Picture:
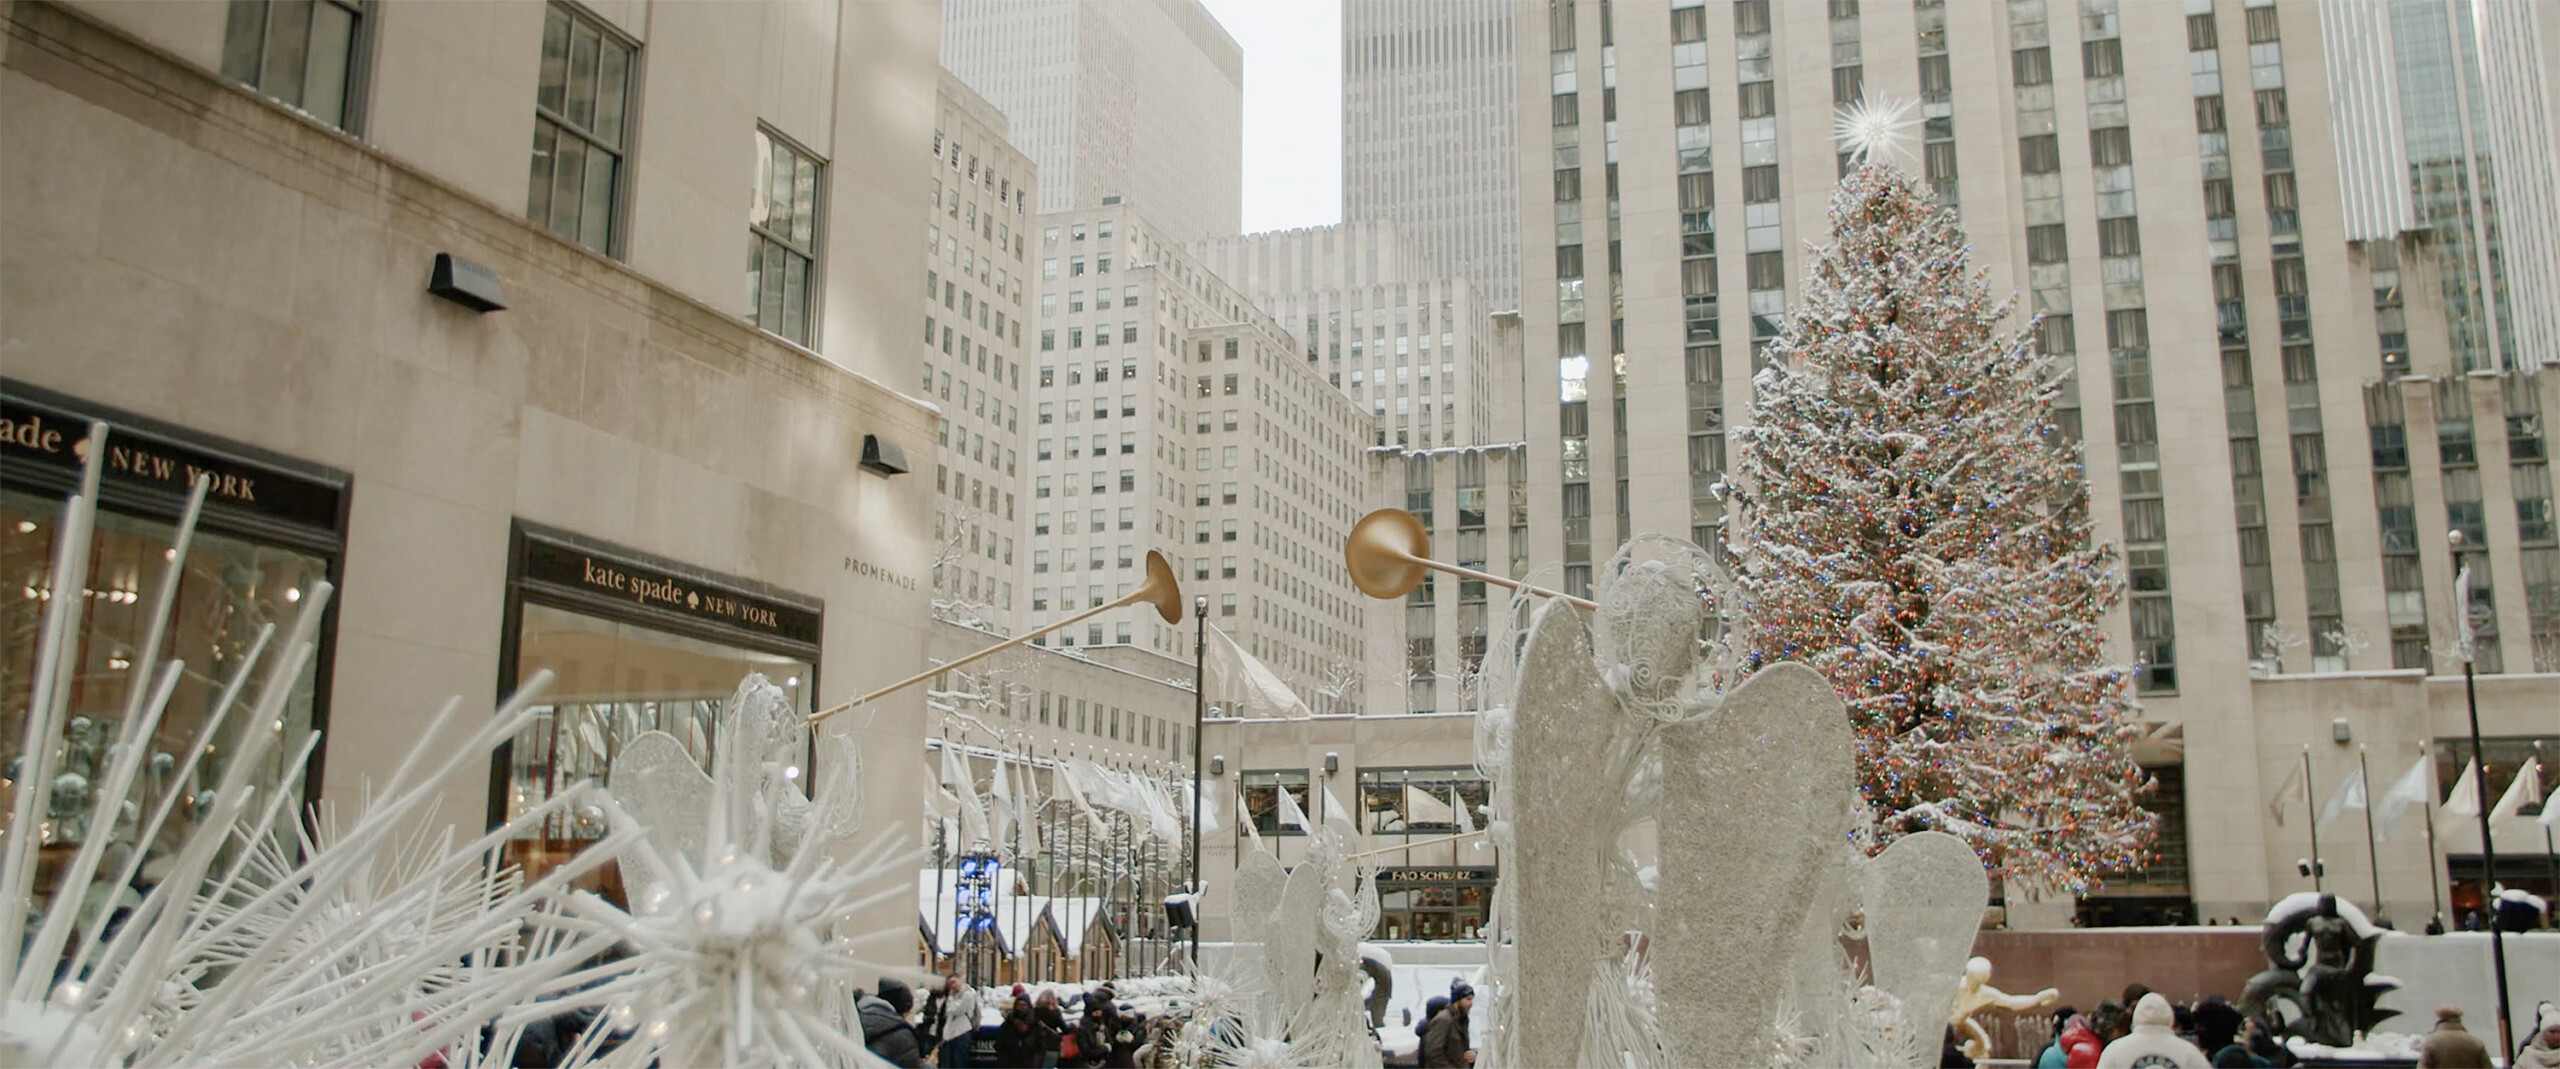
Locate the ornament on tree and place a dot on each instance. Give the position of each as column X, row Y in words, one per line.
column 1913, row 525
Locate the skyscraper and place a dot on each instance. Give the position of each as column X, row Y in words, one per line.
column 1167, row 412
column 976, row 296
column 2282, row 408
column 1135, row 98
column 1428, row 136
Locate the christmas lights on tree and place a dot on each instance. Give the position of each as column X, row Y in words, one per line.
column 1912, row 524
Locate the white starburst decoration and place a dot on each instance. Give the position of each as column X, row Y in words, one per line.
column 1875, row 129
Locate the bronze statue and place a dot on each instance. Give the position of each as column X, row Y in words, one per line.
column 2318, row 964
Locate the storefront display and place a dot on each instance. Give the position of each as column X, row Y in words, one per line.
column 1433, row 903
column 634, row 644
column 271, row 528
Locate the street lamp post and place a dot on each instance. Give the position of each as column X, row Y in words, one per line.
column 2480, row 788
column 1199, row 715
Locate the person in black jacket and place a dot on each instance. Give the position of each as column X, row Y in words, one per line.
column 885, row 1030
column 1018, row 1040
column 1053, row 1027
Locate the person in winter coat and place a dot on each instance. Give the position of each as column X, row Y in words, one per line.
column 955, row 1022
column 1951, row 1053
column 2543, row 1051
column 1444, row 1043
column 1128, row 1033
column 2077, row 1047
column 2452, row 1046
column 1018, row 1039
column 884, row 1024
column 1093, row 1031
column 2153, row 1041
column 1053, row 1027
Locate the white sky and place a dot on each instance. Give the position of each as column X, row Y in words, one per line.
column 1292, row 109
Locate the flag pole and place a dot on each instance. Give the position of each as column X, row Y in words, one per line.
column 2372, row 857
column 2480, row 789
column 2311, row 810
column 2435, row 874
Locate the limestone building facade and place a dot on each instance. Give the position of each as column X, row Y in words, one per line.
column 645, row 472
column 977, row 293
column 1168, row 413
column 2283, row 416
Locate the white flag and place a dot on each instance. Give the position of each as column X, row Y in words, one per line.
column 2463, row 803
column 1291, row 816
column 1028, row 797
column 1466, row 820
column 2285, row 791
column 1000, row 786
column 2349, row 795
column 1421, row 808
column 2526, row 789
column 1064, row 777
column 1333, row 810
column 2410, row 789
column 1238, row 672
column 955, row 776
column 1207, row 804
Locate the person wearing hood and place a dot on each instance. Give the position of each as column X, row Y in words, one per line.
column 2153, row 1040
column 884, row 1024
column 2543, row 1051
column 2452, row 1046
column 2076, row 1047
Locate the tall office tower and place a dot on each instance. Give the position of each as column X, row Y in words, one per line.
column 976, row 284
column 1136, row 98
column 1674, row 153
column 1167, row 413
column 1413, row 349
column 1428, row 137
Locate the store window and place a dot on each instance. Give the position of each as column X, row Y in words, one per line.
column 1419, row 801
column 271, row 528
column 634, row 644
column 2523, row 854
column 1262, row 799
column 1433, row 903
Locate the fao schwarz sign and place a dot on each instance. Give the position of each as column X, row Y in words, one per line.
column 47, row 437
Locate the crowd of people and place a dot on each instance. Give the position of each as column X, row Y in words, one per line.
column 2146, row 1029
column 1092, row 1030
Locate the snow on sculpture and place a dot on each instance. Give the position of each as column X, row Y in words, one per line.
column 264, row 937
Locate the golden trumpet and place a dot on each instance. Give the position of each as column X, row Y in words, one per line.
column 1160, row 589
column 1388, row 551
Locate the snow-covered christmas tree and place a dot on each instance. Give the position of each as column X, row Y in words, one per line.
column 1912, row 524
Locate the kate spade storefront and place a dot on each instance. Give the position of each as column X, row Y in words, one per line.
column 634, row 643
column 271, row 527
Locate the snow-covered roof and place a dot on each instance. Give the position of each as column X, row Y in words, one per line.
column 1073, row 915
column 1017, row 914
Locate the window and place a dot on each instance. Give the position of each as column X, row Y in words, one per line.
column 2047, row 244
column 1760, row 184
column 2039, row 154
column 2119, row 237
column 2031, row 66
column 782, row 240
column 2200, row 33
column 2102, row 58
column 581, row 104
column 2209, row 115
column 1262, row 798
column 1759, row 100
column 307, row 54
column 2110, row 147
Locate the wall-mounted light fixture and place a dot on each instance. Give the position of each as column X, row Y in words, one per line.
column 1332, row 763
column 465, row 283
column 883, row 456
column 1218, row 765
column 2341, row 732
